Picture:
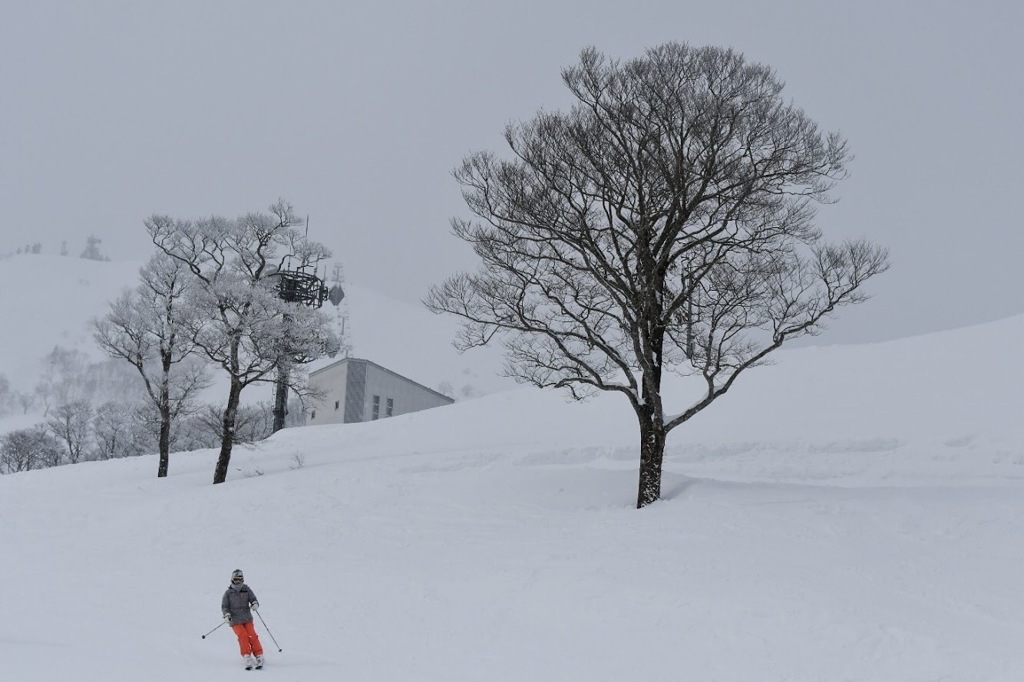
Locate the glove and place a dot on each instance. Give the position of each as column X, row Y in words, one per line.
column 255, row 606
column 227, row 618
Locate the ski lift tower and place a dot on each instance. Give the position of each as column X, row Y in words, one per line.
column 303, row 288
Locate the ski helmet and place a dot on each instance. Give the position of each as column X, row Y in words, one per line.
column 236, row 575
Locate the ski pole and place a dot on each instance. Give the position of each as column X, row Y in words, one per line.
column 217, row 628
column 268, row 631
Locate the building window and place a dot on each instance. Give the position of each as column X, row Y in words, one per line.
column 390, row 408
column 376, row 407
column 337, row 404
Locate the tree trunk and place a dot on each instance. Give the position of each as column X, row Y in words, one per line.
column 651, row 413
column 165, row 441
column 165, row 417
column 281, row 396
column 652, row 454
column 220, row 474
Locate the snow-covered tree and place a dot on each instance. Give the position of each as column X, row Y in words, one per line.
column 71, row 424
column 65, row 379
column 151, row 328
column 121, row 430
column 26, row 401
column 241, row 324
column 253, row 423
column 26, row 449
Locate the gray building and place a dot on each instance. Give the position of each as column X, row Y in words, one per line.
column 358, row 390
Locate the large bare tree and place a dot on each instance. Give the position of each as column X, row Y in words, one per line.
column 664, row 223
column 150, row 328
column 240, row 323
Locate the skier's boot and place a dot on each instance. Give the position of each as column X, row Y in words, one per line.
column 248, row 662
column 259, row 661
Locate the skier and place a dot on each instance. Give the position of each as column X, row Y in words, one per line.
column 237, row 606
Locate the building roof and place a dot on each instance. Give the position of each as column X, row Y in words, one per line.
column 383, row 369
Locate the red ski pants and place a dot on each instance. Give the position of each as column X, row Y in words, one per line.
column 248, row 640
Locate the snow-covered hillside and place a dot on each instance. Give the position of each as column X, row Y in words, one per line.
column 850, row 513
column 48, row 301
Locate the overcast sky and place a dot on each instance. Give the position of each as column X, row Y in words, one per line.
column 112, row 111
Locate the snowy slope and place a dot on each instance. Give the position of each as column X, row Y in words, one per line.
column 851, row 513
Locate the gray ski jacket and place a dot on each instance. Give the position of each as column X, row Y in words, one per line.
column 236, row 604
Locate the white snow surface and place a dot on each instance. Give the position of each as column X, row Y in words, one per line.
column 849, row 513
